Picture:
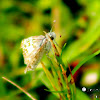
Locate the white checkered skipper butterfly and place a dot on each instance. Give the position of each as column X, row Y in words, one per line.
column 34, row 47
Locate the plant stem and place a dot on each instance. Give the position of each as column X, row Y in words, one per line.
column 29, row 95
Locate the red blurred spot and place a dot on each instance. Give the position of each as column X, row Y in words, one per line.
column 77, row 73
column 85, row 18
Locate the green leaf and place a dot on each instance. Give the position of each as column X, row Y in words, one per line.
column 82, row 62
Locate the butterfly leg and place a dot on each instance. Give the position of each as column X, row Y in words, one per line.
column 28, row 68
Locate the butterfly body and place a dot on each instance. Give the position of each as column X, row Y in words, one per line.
column 33, row 49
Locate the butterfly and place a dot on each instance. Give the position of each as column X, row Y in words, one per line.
column 34, row 48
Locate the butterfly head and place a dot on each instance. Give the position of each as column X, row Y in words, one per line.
column 52, row 35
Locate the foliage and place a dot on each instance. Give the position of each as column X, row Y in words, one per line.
column 77, row 29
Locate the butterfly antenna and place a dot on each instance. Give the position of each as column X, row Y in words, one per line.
column 52, row 25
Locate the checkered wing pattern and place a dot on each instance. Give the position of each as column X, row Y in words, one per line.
column 32, row 49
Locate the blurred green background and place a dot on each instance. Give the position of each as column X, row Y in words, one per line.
column 77, row 24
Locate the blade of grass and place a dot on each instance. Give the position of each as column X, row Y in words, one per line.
column 62, row 79
column 67, row 84
column 58, row 60
column 55, row 74
column 29, row 95
column 48, row 74
column 73, row 87
column 55, row 91
column 82, row 62
column 47, row 83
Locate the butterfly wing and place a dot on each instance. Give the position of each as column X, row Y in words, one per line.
column 31, row 46
column 38, row 55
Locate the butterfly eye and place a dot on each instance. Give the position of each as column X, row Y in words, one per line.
column 52, row 37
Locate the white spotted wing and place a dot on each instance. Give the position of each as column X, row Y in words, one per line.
column 33, row 50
